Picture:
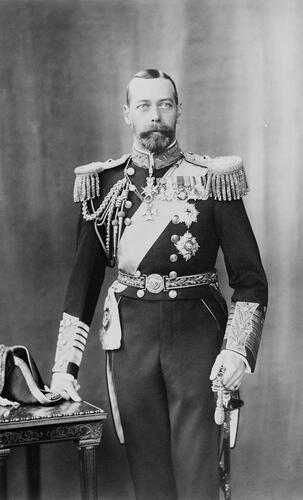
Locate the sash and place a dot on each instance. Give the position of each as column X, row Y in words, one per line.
column 140, row 236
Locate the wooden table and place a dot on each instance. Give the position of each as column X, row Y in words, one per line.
column 31, row 426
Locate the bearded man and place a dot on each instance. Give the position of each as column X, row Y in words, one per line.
column 162, row 214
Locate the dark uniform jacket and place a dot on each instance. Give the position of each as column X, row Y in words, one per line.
column 200, row 209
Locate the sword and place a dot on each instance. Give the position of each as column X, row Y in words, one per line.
column 227, row 412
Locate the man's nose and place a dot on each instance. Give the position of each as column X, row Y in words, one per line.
column 155, row 114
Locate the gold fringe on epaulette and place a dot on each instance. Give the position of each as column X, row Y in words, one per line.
column 86, row 187
column 227, row 186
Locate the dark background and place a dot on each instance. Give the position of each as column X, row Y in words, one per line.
column 238, row 65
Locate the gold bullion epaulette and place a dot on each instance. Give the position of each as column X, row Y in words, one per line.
column 87, row 182
column 226, row 177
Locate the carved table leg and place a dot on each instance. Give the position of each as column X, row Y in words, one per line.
column 88, row 479
column 4, row 452
column 33, row 471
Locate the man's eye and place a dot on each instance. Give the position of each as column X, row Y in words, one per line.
column 143, row 105
column 166, row 105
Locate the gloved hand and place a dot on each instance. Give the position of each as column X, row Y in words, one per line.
column 66, row 385
column 7, row 402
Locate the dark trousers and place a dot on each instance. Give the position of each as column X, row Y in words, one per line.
column 165, row 399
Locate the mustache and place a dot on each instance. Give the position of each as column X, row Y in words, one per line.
column 163, row 129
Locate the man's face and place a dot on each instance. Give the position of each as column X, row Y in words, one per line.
column 152, row 113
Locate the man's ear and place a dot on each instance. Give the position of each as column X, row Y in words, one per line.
column 179, row 111
column 126, row 115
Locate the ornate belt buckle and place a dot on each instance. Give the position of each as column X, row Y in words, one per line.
column 154, row 283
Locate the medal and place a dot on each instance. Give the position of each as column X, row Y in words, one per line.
column 149, row 192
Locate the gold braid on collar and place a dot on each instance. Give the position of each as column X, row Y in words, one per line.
column 168, row 157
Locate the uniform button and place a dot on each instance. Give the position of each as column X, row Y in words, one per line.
column 132, row 187
column 175, row 219
column 130, row 171
column 173, row 275
column 128, row 204
column 138, row 273
column 172, row 294
column 174, row 238
column 173, row 257
column 140, row 294
column 127, row 221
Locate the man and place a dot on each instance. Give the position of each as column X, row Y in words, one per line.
column 162, row 214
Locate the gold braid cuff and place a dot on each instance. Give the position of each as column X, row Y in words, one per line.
column 71, row 344
column 244, row 329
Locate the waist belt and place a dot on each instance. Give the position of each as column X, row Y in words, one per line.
column 155, row 283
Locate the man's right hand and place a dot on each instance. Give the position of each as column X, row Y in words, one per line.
column 66, row 385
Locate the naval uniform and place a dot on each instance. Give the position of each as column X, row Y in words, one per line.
column 162, row 218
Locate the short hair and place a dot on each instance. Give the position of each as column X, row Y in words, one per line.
column 152, row 73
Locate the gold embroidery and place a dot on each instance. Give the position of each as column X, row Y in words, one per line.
column 244, row 328
column 143, row 159
column 71, row 342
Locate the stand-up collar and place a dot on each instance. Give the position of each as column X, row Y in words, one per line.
column 146, row 160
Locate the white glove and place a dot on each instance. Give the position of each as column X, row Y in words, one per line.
column 7, row 402
column 66, row 385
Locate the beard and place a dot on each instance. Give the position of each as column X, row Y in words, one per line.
column 157, row 138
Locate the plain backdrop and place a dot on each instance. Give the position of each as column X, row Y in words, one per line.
column 64, row 66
